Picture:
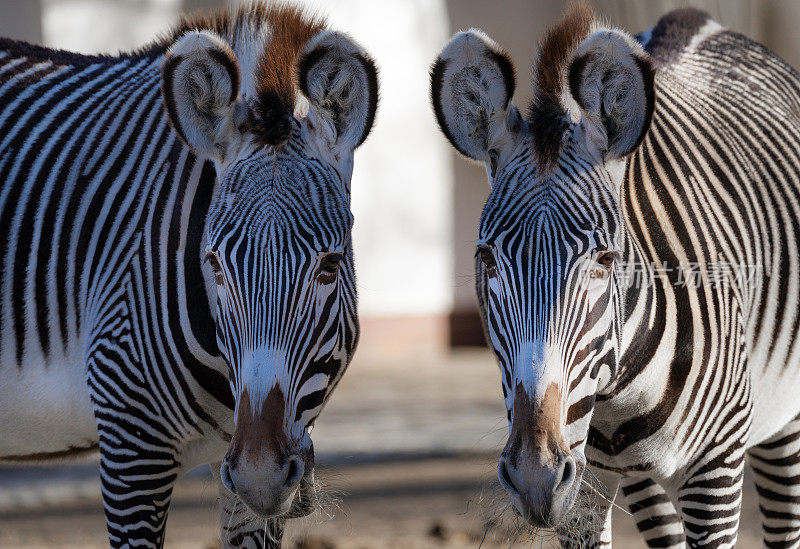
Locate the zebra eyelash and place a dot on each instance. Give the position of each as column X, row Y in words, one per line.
column 329, row 264
column 607, row 258
column 212, row 259
column 486, row 254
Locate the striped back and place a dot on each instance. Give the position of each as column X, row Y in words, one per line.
column 75, row 182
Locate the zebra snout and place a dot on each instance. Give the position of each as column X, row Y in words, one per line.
column 541, row 492
column 267, row 487
column 537, row 468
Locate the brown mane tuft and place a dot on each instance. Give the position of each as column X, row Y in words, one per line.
column 546, row 113
column 277, row 79
column 290, row 28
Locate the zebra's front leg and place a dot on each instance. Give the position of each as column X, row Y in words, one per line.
column 239, row 527
column 589, row 526
column 776, row 470
column 710, row 501
column 137, row 475
column 653, row 512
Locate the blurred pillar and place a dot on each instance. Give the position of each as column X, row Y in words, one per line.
column 778, row 28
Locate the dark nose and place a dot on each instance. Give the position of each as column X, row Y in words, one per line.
column 268, row 488
column 541, row 492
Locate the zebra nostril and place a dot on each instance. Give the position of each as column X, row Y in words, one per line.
column 505, row 477
column 225, row 476
column 294, row 472
column 566, row 474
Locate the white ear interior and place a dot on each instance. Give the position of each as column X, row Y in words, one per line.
column 340, row 81
column 200, row 82
column 472, row 82
column 611, row 79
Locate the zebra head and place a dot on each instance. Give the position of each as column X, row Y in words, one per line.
column 277, row 258
column 551, row 235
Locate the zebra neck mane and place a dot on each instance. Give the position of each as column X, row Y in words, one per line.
column 548, row 108
column 35, row 52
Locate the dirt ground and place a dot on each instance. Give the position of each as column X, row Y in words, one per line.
column 426, row 503
column 409, row 446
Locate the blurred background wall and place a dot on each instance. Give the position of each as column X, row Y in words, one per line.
column 416, row 205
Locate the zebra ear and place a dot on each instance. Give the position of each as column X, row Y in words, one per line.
column 472, row 82
column 200, row 82
column 612, row 81
column 340, row 81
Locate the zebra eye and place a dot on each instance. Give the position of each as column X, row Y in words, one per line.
column 606, row 258
column 329, row 267
column 215, row 266
column 487, row 258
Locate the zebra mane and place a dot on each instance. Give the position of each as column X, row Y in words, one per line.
column 547, row 113
column 280, row 32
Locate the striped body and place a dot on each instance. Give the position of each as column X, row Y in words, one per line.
column 97, row 191
column 714, row 188
column 176, row 271
column 715, row 183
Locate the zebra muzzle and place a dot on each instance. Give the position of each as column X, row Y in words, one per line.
column 271, row 473
column 542, row 494
column 270, row 489
column 537, row 469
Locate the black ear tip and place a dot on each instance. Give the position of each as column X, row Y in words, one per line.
column 648, row 71
column 507, row 70
column 574, row 78
column 371, row 70
column 231, row 65
column 167, row 92
column 338, row 54
column 437, row 83
column 437, row 76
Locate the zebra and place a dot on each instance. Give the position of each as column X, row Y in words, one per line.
column 637, row 272
column 176, row 269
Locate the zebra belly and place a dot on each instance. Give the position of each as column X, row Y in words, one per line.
column 775, row 402
column 45, row 411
